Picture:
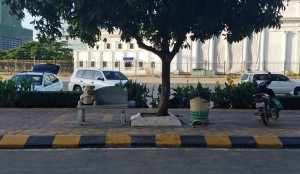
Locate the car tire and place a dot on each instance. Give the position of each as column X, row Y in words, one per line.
column 297, row 91
column 77, row 88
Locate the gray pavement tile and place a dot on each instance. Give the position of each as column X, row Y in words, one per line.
column 56, row 121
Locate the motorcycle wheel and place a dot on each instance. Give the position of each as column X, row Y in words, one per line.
column 265, row 119
column 276, row 112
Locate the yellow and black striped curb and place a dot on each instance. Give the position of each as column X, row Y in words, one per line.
column 160, row 140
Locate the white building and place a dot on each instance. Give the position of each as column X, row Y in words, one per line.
column 271, row 50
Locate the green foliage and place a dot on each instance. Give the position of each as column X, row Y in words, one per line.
column 8, row 92
column 25, row 85
column 3, row 54
column 155, row 100
column 47, row 99
column 137, row 92
column 289, row 102
column 40, row 51
column 242, row 95
column 220, row 97
column 181, row 95
column 238, row 96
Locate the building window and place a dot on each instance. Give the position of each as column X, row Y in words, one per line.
column 116, row 64
column 152, row 64
column 128, row 64
column 93, row 64
column 131, row 46
column 104, row 64
column 140, row 64
column 108, row 46
column 119, row 46
column 80, row 63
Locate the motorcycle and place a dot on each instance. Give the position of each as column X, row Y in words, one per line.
column 266, row 103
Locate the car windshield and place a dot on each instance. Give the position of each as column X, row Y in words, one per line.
column 35, row 79
column 114, row 75
column 245, row 77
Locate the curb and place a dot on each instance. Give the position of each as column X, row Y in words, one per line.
column 159, row 140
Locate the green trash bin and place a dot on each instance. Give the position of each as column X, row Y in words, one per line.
column 199, row 107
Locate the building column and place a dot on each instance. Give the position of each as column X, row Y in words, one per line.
column 179, row 61
column 88, row 63
column 227, row 57
column 100, row 59
column 113, row 55
column 246, row 53
column 211, row 56
column 262, row 50
column 76, row 59
column 197, row 55
column 297, row 67
column 284, row 50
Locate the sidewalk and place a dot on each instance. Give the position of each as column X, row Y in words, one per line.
column 57, row 128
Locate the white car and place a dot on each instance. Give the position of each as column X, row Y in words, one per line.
column 280, row 83
column 43, row 76
column 95, row 77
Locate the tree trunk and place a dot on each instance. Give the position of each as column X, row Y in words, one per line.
column 165, row 92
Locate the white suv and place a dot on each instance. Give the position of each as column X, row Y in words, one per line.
column 95, row 77
column 280, row 83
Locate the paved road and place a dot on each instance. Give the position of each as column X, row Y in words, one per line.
column 153, row 160
column 151, row 80
column 175, row 81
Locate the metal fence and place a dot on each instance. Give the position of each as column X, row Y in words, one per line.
column 13, row 66
column 154, row 68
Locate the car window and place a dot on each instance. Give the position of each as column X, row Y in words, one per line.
column 260, row 76
column 79, row 73
column 53, row 79
column 245, row 76
column 98, row 75
column 114, row 75
column 47, row 78
column 279, row 77
column 35, row 79
column 88, row 74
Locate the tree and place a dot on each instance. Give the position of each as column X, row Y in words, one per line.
column 3, row 54
column 41, row 50
column 159, row 26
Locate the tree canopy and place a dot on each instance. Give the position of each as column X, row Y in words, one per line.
column 38, row 50
column 159, row 26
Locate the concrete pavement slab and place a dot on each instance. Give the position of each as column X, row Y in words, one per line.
column 57, row 128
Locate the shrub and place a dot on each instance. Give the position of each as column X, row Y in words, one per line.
column 181, row 95
column 137, row 92
column 155, row 100
column 47, row 99
column 9, row 91
column 238, row 96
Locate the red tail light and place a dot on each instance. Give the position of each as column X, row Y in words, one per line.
column 258, row 98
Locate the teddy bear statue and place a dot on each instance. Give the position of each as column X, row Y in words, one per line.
column 88, row 96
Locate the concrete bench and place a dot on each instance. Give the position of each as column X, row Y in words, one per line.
column 110, row 97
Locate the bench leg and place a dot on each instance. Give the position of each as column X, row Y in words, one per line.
column 80, row 116
column 123, row 117
column 83, row 115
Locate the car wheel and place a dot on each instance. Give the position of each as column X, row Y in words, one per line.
column 297, row 91
column 77, row 88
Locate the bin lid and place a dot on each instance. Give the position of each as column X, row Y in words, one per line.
column 203, row 94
